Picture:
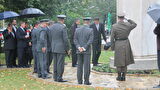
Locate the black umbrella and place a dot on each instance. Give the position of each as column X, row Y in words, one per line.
column 31, row 12
column 8, row 14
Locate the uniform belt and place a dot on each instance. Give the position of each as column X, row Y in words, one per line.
column 121, row 39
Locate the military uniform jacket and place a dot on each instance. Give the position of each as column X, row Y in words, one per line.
column 59, row 38
column 84, row 38
column 41, row 36
column 120, row 42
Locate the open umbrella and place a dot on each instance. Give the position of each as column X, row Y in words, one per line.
column 154, row 12
column 8, row 14
column 31, row 12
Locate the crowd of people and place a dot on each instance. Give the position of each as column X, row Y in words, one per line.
column 48, row 40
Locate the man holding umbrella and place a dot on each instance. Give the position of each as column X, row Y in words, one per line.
column 59, row 45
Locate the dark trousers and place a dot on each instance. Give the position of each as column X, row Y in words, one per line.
column 41, row 64
column 35, row 57
column 158, row 59
column 29, row 55
column 49, row 60
column 74, row 55
column 22, row 61
column 14, row 58
column 96, row 48
column 10, row 57
column 58, row 65
column 83, row 66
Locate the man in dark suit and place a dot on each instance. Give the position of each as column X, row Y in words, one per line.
column 59, row 45
column 83, row 40
column 9, row 46
column 73, row 29
column 98, row 30
column 14, row 27
column 22, row 45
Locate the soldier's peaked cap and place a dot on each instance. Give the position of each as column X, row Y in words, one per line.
column 61, row 16
column 87, row 18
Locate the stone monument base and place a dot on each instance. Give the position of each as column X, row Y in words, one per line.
column 141, row 63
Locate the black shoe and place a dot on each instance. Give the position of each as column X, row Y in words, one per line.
column 62, row 80
column 80, row 83
column 46, row 77
column 88, row 83
column 119, row 78
column 74, row 65
column 39, row 76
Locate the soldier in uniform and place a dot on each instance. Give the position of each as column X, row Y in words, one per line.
column 41, row 48
column 121, row 45
column 34, row 44
column 60, row 46
column 83, row 40
column 49, row 53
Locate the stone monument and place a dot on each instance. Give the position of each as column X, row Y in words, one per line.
column 142, row 38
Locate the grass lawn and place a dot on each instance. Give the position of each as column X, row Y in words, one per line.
column 17, row 79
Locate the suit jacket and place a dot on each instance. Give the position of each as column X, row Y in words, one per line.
column 120, row 42
column 157, row 32
column 9, row 40
column 73, row 29
column 41, row 36
column 59, row 38
column 84, row 38
column 97, row 33
column 21, row 40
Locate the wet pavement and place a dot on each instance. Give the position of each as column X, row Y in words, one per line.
column 106, row 80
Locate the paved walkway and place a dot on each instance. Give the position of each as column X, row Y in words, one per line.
column 106, row 80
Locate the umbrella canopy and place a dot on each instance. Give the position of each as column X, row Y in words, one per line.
column 31, row 12
column 8, row 14
column 154, row 12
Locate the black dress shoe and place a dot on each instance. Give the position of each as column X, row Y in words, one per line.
column 39, row 76
column 119, row 78
column 62, row 80
column 46, row 77
column 88, row 83
column 74, row 65
column 79, row 82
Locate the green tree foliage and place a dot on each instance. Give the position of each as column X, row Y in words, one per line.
column 72, row 8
